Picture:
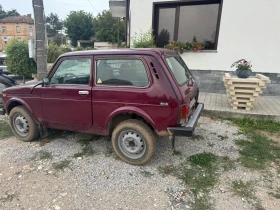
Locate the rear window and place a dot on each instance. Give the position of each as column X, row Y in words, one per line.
column 179, row 69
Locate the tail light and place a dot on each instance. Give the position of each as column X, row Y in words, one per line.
column 184, row 113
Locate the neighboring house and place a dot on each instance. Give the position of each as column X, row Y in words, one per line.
column 233, row 29
column 19, row 27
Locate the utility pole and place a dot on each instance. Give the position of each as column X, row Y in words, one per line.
column 40, row 34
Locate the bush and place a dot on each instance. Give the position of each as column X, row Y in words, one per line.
column 18, row 61
column 54, row 51
column 144, row 40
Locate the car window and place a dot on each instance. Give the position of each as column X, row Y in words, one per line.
column 179, row 69
column 73, row 71
column 123, row 72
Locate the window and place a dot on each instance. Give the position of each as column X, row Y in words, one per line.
column 4, row 29
column 123, row 72
column 5, row 40
column 188, row 20
column 179, row 69
column 73, row 71
column 18, row 29
column 30, row 31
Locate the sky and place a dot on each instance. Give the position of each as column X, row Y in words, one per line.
column 60, row 7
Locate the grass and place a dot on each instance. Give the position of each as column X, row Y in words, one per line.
column 243, row 189
column 258, row 151
column 86, row 147
column 197, row 137
column 43, row 155
column 222, row 137
column 5, row 130
column 199, row 173
column 61, row 165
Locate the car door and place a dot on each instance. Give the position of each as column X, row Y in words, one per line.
column 67, row 99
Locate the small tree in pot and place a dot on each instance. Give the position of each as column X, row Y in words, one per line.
column 243, row 68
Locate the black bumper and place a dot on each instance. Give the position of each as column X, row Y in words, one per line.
column 2, row 111
column 188, row 130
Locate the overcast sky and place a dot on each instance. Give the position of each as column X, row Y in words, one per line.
column 61, row 7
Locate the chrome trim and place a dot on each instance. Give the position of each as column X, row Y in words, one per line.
column 83, row 92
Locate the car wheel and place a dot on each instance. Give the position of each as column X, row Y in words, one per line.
column 134, row 142
column 23, row 125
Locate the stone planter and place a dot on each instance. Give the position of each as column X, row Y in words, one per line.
column 243, row 73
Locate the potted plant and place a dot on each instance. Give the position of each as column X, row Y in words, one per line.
column 243, row 68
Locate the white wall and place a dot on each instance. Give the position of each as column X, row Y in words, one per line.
column 249, row 29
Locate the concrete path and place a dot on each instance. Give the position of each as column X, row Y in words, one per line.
column 267, row 107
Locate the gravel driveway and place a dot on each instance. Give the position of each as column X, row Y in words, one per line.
column 48, row 174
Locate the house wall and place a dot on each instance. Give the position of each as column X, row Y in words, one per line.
column 12, row 33
column 249, row 29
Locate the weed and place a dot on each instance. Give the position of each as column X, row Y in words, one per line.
column 61, row 165
column 86, row 147
column 42, row 155
column 222, row 137
column 258, row 152
column 243, row 189
column 5, row 130
column 178, row 153
column 167, row 170
column 197, row 137
column 248, row 125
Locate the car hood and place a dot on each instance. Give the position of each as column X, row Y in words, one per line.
column 24, row 88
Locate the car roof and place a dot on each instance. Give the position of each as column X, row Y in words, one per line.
column 131, row 51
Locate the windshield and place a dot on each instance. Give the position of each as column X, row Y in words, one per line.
column 179, row 69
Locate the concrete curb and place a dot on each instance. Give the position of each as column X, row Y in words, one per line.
column 216, row 113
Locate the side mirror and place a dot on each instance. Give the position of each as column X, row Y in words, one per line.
column 46, row 82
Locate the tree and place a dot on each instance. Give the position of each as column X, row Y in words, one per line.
column 53, row 24
column 59, row 39
column 18, row 61
column 8, row 13
column 79, row 26
column 106, row 27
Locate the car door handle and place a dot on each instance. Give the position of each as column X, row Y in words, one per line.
column 83, row 93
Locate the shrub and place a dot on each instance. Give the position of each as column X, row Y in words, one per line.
column 144, row 40
column 54, row 51
column 18, row 61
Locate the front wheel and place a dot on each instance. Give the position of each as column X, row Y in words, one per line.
column 23, row 125
column 134, row 142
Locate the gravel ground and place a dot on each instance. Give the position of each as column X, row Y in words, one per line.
column 102, row 181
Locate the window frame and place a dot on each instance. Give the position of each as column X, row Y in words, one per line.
column 18, row 29
column 177, row 5
column 57, row 64
column 3, row 29
column 121, row 58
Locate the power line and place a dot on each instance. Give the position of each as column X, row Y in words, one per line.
column 102, row 5
column 106, row 3
column 93, row 6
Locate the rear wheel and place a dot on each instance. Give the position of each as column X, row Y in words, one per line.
column 23, row 125
column 134, row 142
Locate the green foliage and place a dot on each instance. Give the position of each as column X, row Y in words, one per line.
column 79, row 26
column 242, row 65
column 243, row 189
column 190, row 46
column 54, row 51
column 5, row 130
column 59, row 39
column 247, row 124
column 144, row 40
column 53, row 24
column 8, row 13
column 107, row 26
column 61, row 165
column 18, row 61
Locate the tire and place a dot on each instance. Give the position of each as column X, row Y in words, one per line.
column 23, row 125
column 134, row 142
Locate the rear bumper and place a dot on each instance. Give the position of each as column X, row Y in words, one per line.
column 2, row 111
column 188, row 130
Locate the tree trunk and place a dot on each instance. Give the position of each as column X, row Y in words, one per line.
column 23, row 79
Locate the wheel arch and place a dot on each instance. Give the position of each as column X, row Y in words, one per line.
column 125, row 113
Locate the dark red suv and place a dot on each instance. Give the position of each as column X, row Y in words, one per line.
column 134, row 95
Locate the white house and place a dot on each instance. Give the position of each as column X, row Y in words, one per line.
column 233, row 29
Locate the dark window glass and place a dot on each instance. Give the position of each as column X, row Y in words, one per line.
column 124, row 72
column 73, row 71
column 179, row 69
column 199, row 21
column 194, row 22
column 165, row 26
